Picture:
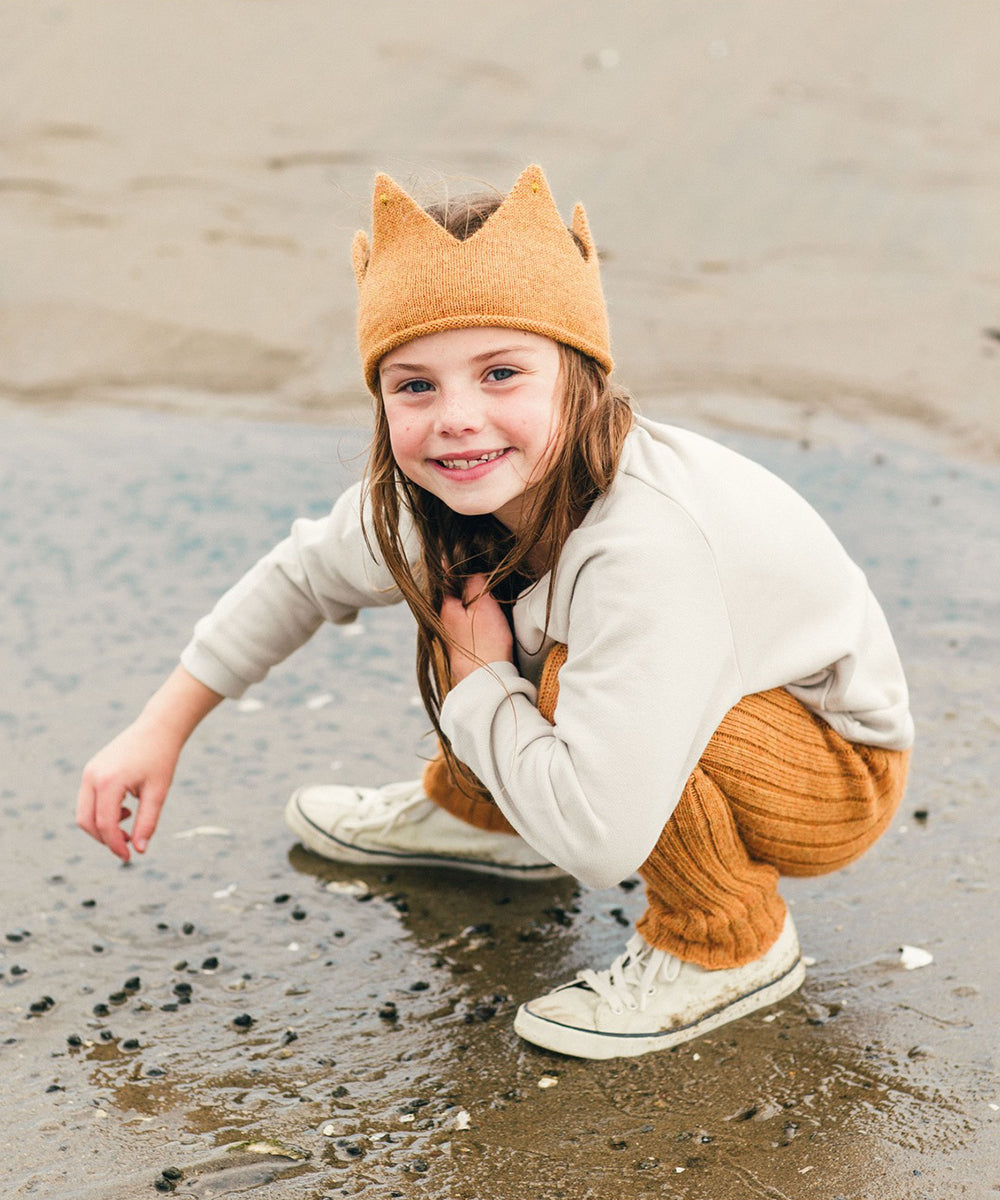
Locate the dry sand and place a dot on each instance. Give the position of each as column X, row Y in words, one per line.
column 797, row 207
column 794, row 200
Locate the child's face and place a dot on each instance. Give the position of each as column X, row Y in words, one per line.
column 472, row 415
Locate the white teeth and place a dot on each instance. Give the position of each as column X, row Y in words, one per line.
column 463, row 464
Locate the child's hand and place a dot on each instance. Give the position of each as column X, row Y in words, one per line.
column 138, row 764
column 477, row 628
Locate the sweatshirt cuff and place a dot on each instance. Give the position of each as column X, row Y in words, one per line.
column 207, row 669
column 479, row 695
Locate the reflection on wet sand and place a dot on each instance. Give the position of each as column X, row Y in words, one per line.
column 390, row 1018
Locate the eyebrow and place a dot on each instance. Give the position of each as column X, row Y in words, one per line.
column 477, row 358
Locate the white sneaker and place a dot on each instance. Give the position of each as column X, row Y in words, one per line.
column 649, row 1000
column 398, row 824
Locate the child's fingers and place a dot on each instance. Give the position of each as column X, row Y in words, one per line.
column 474, row 589
column 147, row 815
column 99, row 807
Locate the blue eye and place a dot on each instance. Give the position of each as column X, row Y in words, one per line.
column 416, row 387
column 499, row 374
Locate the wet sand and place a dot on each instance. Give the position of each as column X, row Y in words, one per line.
column 796, row 206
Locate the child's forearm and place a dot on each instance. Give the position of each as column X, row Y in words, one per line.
column 179, row 706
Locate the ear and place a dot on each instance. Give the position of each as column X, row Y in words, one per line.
column 359, row 255
column 582, row 230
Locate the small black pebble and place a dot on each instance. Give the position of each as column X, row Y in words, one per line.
column 210, row 964
column 43, row 1005
column 88, row 903
column 288, row 1037
column 16, row 970
column 182, row 989
column 14, row 937
column 118, row 997
column 155, row 1072
column 388, row 1012
column 133, row 984
column 101, row 1010
column 283, row 898
column 353, row 1151
column 174, row 1173
column 420, row 986
column 920, row 814
column 74, row 1039
column 243, row 1021
column 164, row 1185
column 339, row 1091
column 54, row 1087
column 131, row 1044
column 168, row 1008
column 187, row 927
column 298, row 914
column 162, row 926
column 97, row 948
column 107, row 1035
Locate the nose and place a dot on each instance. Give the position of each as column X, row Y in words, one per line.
column 459, row 412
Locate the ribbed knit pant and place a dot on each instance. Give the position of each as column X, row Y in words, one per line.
column 776, row 792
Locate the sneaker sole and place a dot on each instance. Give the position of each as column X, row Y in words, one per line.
column 326, row 845
column 585, row 1043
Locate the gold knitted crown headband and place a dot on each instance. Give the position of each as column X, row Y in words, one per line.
column 522, row 269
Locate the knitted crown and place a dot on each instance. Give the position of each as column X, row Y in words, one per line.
column 522, row 269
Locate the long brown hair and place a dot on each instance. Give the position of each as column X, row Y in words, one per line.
column 595, row 416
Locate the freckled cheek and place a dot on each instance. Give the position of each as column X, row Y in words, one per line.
column 405, row 441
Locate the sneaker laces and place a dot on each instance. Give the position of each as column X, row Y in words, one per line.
column 384, row 808
column 631, row 979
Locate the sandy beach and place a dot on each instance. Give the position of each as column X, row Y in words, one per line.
column 796, row 206
column 793, row 201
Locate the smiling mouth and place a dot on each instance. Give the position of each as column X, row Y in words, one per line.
column 465, row 464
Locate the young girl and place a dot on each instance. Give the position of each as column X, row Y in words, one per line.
column 640, row 650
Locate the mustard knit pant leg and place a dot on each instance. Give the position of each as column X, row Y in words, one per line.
column 776, row 792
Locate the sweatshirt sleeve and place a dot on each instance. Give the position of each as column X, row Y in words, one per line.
column 650, row 672
column 323, row 571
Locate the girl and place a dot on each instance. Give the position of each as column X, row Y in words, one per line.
column 640, row 650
